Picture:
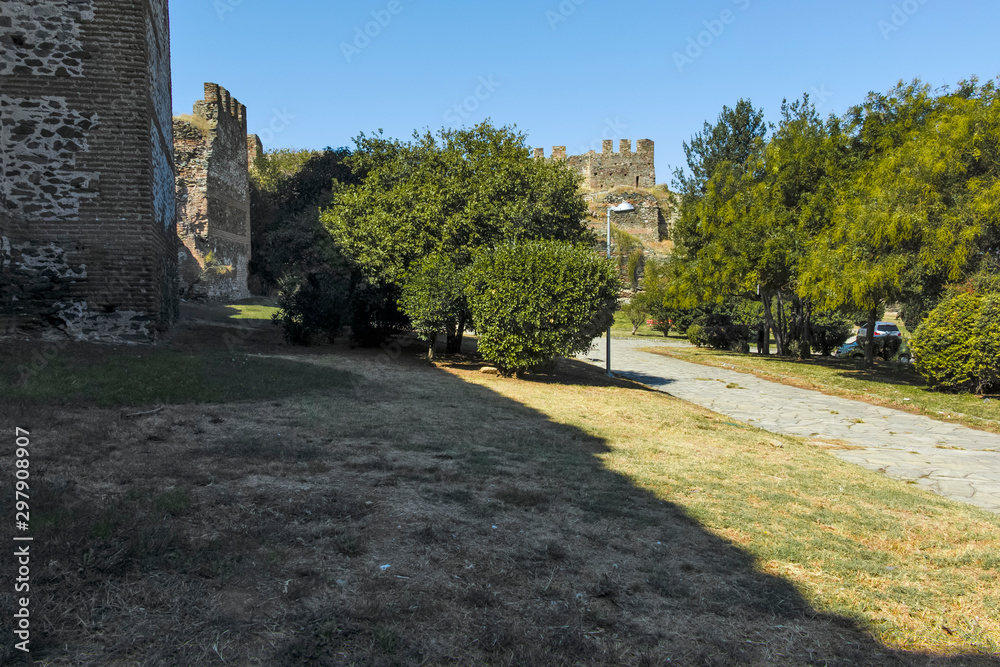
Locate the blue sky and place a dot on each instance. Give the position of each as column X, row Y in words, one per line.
column 315, row 73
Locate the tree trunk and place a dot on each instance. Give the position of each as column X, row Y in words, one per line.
column 806, row 326
column 765, row 300
column 430, row 348
column 781, row 328
column 455, row 335
column 870, row 341
column 635, row 327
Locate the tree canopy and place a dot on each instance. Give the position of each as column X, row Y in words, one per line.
column 445, row 195
column 450, row 193
column 890, row 203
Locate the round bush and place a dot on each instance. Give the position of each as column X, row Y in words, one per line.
column 987, row 355
column 946, row 345
column 538, row 300
column 696, row 334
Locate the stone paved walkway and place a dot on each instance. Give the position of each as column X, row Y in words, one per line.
column 954, row 461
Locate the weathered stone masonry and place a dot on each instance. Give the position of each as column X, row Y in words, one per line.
column 607, row 170
column 213, row 196
column 87, row 208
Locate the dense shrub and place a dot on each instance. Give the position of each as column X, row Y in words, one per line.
column 287, row 188
column 696, row 334
column 534, row 301
column 886, row 347
column 433, row 297
column 828, row 336
column 950, row 348
column 987, row 358
column 717, row 330
column 320, row 300
column 313, row 303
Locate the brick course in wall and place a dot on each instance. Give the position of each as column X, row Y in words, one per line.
column 607, row 169
column 211, row 150
column 87, row 207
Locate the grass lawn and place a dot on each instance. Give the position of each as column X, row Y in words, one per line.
column 622, row 328
column 373, row 509
column 889, row 384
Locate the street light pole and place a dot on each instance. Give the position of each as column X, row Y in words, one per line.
column 621, row 208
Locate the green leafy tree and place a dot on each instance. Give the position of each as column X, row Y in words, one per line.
column 533, row 301
column 754, row 221
column 717, row 159
column 726, row 146
column 630, row 255
column 287, row 189
column 449, row 193
column 655, row 298
column 635, row 311
column 433, row 297
column 922, row 205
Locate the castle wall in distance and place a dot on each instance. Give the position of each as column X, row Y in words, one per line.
column 607, row 169
column 211, row 150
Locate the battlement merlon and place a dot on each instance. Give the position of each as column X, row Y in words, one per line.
column 218, row 102
column 255, row 149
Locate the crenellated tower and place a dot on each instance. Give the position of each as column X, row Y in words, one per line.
column 607, row 169
column 212, row 152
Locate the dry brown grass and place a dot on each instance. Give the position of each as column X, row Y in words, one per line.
column 558, row 520
column 199, row 122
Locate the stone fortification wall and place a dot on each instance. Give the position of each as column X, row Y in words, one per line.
column 646, row 222
column 87, row 207
column 607, row 169
column 213, row 196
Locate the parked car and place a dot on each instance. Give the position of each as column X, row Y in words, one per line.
column 854, row 348
column 881, row 329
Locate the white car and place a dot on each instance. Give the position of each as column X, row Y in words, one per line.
column 881, row 329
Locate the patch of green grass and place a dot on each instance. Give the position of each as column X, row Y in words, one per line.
column 109, row 377
column 622, row 328
column 890, row 384
column 251, row 312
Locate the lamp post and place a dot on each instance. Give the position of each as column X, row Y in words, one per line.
column 621, row 208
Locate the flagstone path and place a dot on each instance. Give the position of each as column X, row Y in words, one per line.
column 952, row 460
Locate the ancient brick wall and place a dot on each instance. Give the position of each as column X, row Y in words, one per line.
column 607, row 169
column 213, row 196
column 646, row 222
column 87, row 207
column 255, row 149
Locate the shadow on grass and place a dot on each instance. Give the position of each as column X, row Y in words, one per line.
column 87, row 374
column 525, row 550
